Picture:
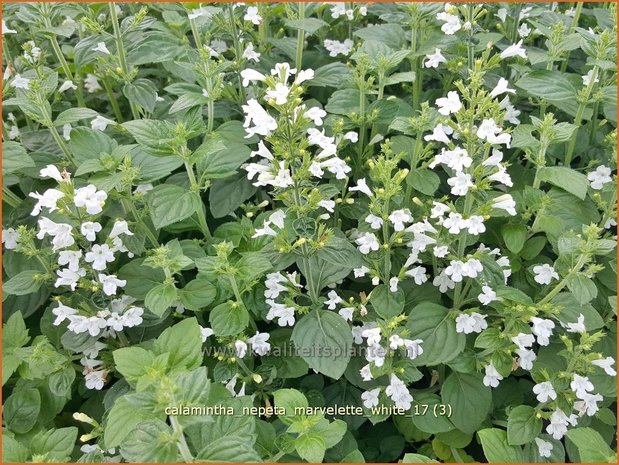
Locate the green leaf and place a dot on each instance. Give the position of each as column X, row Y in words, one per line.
column 310, row 447
column 324, row 340
column 228, row 319
column 13, row 451
column 142, row 92
column 386, row 303
column 55, row 445
column 170, row 204
column 423, row 180
column 417, row 458
column 160, row 298
column 432, row 324
column 197, row 294
column 22, row 283
column 153, row 441
column 514, row 236
column 343, row 102
column 156, row 136
column 331, row 75
column 427, row 419
column 21, row 410
column 140, row 278
column 566, row 178
column 391, row 35
column 216, row 161
column 309, row 25
column 495, row 446
column 320, row 273
column 340, row 251
column 570, row 309
column 290, row 400
column 229, row 449
column 14, row 158
column 132, row 362
column 183, row 342
column 523, row 426
column 14, row 332
column 582, row 287
column 60, row 382
column 226, row 195
column 125, row 415
column 73, row 115
column 592, row 448
column 549, row 85
column 470, row 399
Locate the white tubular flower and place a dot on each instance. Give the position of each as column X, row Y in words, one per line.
column 434, row 59
column 259, row 343
column 492, row 376
column 544, row 274
column 367, row 242
column 101, row 47
column 487, row 295
column 251, row 75
column 542, row 328
column 335, row 47
column 544, row 448
column 370, row 398
column 111, row 283
column 66, row 86
column 449, row 104
column 20, row 82
column 9, row 238
column 501, row 88
column 252, row 15
column 48, row 200
column 250, row 54
column 599, row 177
column 361, row 187
column 263, row 123
column 440, row 134
column 514, row 50
column 399, row 218
column 505, row 202
column 398, row 393
column 50, row 171
column 90, row 198
column 544, row 391
column 471, row 323
column 606, row 364
column 460, row 183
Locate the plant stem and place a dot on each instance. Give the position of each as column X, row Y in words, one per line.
column 113, row 101
column 120, row 48
column 570, row 31
column 183, row 448
column 196, row 34
column 62, row 145
column 237, row 49
column 128, row 206
column 10, row 197
column 196, row 188
column 468, row 205
column 300, row 39
column 579, row 115
column 559, row 287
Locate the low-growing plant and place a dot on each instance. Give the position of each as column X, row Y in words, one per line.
column 305, row 231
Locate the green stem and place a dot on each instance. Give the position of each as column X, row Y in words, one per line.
column 196, row 188
column 571, row 31
column 559, row 287
column 62, row 145
column 183, row 448
column 113, row 101
column 128, row 206
column 274, row 458
column 579, row 115
column 300, row 39
column 196, row 34
column 237, row 49
column 468, row 205
column 10, row 197
column 120, row 48
column 387, row 257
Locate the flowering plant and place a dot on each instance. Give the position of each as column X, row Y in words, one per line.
column 321, row 232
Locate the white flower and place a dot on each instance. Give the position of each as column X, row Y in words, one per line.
column 443, row 282
column 132, row 317
column 101, row 47
column 252, row 15
column 586, row 79
column 524, row 30
column 316, row 114
column 205, row 333
column 111, row 283
column 456, row 159
column 489, row 131
column 460, row 183
column 66, row 86
column 89, row 230
column 471, row 323
column 606, row 364
column 501, row 14
column 440, row 134
column 251, row 75
column 413, row 348
column 264, row 124
column 501, row 88
column 10, row 238
column 599, row 177
column 304, row 75
column 542, row 328
column 335, row 47
column 62, row 313
column 514, row 50
column 250, row 54
column 455, row 223
column 360, row 272
column 435, row 59
column 581, row 385
column 328, row 205
column 62, row 233
column 577, row 327
column 48, row 200
column 558, row 424
column 361, row 187
column 259, row 343
column 334, row 299
column 66, row 131
column 99, row 256
column 20, row 82
column 284, row 314
column 218, row 46
column 367, row 242
column 66, row 277
column 372, row 335
column 505, row 202
column 475, row 225
column 492, row 376
column 418, row 273
column 143, row 188
column 523, row 340
column 544, row 391
column 588, row 404
column 398, row 393
column 526, row 358
column 240, row 348
column 100, row 123
column 279, row 94
column 6, row 29
column 91, row 83
column 544, row 274
column 487, row 295
column 438, row 209
column 50, row 171
column 440, row 251
column 120, row 227
column 346, row 313
column 544, row 448
column 399, row 218
column 511, row 113
column 283, row 71
column 351, row 136
column 452, row 22
column 70, row 258
column 393, row 284
column 366, row 373
column 449, row 104
column 370, row 398
column 14, row 133
column 90, row 198
column 95, row 379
